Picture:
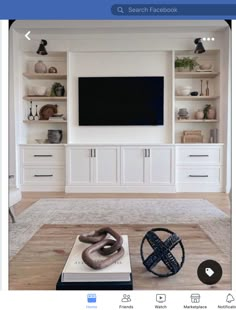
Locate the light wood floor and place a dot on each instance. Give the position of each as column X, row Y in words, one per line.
column 220, row 200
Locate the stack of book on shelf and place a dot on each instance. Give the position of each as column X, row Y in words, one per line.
column 76, row 275
column 57, row 117
column 192, row 136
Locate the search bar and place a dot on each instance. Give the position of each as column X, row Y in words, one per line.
column 174, row 9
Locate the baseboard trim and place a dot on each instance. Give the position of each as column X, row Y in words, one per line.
column 120, row 189
column 198, row 188
column 42, row 188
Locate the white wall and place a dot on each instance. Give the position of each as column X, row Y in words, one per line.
column 118, row 64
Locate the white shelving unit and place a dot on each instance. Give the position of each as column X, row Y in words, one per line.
column 195, row 103
column 31, row 130
column 195, row 98
column 44, row 98
column 43, row 122
column 197, row 121
column 195, row 75
column 43, row 76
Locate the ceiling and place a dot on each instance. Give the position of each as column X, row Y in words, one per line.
column 124, row 26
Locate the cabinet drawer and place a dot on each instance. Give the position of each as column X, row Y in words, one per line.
column 43, row 176
column 199, row 175
column 43, row 156
column 199, row 155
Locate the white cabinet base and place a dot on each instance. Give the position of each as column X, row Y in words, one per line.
column 120, row 189
column 43, row 188
column 122, row 169
column 199, row 188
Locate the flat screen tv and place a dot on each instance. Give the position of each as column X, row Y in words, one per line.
column 121, row 101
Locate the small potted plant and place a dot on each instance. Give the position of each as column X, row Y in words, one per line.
column 185, row 64
column 209, row 112
column 57, row 90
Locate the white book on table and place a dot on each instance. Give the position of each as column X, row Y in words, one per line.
column 75, row 270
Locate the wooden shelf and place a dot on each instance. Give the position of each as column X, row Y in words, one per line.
column 44, row 122
column 45, row 76
column 197, row 121
column 195, row 75
column 44, row 98
column 196, row 98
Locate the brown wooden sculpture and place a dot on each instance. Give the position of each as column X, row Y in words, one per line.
column 111, row 248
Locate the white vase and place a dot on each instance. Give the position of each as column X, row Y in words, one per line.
column 211, row 113
column 40, row 67
column 199, row 114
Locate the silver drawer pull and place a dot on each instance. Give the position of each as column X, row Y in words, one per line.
column 43, row 155
column 198, row 175
column 198, row 155
column 43, row 175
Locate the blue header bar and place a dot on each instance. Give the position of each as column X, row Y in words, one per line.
column 109, row 9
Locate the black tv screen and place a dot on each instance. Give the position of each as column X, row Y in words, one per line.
column 120, row 101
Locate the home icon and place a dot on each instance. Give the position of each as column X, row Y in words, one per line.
column 195, row 298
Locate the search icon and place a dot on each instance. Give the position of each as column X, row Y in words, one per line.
column 120, row 9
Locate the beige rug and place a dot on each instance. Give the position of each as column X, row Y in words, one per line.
column 122, row 211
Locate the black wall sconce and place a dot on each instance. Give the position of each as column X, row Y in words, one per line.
column 42, row 50
column 199, row 46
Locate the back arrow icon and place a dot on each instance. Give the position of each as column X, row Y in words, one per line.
column 27, row 35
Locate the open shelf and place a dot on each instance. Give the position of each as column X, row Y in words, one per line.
column 195, row 75
column 43, row 121
column 45, row 76
column 196, row 121
column 196, row 98
column 44, row 98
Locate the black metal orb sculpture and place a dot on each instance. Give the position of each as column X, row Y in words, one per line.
column 162, row 252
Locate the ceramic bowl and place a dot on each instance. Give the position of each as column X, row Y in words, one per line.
column 194, row 93
column 205, row 66
column 183, row 91
column 38, row 90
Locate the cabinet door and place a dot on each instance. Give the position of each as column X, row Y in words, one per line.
column 106, row 165
column 160, row 168
column 79, row 165
column 133, row 163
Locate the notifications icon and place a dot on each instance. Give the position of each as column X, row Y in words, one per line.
column 209, row 272
column 229, row 298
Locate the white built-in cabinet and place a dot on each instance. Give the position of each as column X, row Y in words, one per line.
column 119, row 168
column 168, row 167
column 42, row 168
column 92, row 165
column 122, row 168
column 145, row 165
column 199, row 168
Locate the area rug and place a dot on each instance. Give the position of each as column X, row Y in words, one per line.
column 121, row 211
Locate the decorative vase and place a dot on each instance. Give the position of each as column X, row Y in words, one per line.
column 184, row 69
column 211, row 113
column 40, row 67
column 54, row 135
column 183, row 113
column 199, row 114
column 60, row 91
column 52, row 70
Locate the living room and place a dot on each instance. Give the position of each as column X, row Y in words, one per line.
column 121, row 175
